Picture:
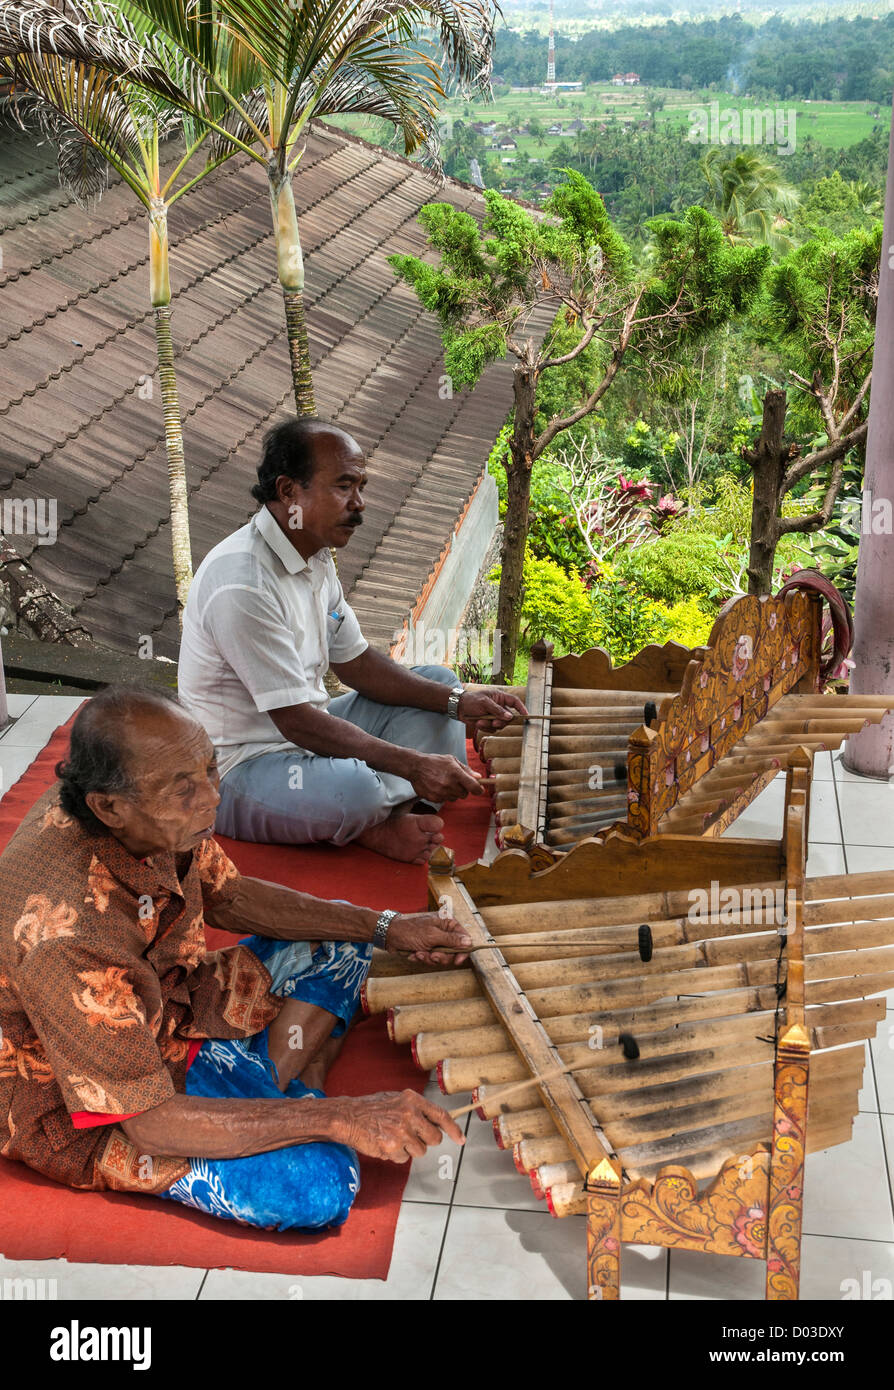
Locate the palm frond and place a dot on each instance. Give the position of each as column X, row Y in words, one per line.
column 93, row 106
column 36, row 27
column 83, row 168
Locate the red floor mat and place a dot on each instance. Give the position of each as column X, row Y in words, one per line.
column 40, row 1220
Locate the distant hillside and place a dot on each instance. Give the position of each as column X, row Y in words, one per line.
column 838, row 59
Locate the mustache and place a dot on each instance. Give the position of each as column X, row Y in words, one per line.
column 354, row 521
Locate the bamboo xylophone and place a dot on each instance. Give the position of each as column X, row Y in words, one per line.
column 691, row 1015
column 676, row 741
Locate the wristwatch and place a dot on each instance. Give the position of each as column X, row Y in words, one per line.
column 453, row 700
column 380, row 935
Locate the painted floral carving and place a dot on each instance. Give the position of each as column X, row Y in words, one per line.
column 770, row 643
column 730, row 1219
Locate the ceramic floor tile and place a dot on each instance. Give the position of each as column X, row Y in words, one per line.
column 834, row 1268
column 822, row 767
column 17, row 704
column 825, row 859
column 867, row 813
column 41, row 720
column 516, row 1255
column 696, row 1276
column 433, row 1178
column 866, row 859
column 825, row 826
column 531, row 1257
column 831, row 1268
column 14, row 762
column 100, row 1281
column 417, row 1243
column 882, row 1048
column 488, row 1176
column 846, row 1188
column 887, row 1123
column 762, row 818
column 843, row 775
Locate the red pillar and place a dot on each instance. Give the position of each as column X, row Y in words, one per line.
column 872, row 750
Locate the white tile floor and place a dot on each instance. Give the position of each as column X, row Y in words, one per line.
column 470, row 1227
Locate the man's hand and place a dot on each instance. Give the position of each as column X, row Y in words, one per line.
column 397, row 1125
column 489, row 712
column 421, row 933
column 438, row 777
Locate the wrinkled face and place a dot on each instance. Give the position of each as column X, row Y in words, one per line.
column 327, row 511
column 172, row 764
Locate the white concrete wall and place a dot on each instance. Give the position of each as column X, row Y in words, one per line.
column 452, row 590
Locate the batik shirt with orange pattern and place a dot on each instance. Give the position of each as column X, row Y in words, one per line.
column 104, row 981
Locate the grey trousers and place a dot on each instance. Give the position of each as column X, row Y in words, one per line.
column 299, row 798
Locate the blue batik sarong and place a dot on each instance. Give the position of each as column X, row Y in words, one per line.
column 306, row 1186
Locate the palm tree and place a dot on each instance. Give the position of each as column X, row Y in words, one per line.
column 81, row 76
column 314, row 58
column 748, row 196
column 868, row 197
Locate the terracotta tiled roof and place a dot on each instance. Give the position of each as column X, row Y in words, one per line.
column 79, row 349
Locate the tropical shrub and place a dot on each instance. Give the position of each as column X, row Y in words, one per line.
column 556, row 606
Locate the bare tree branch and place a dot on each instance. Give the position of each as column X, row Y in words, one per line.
column 821, row 457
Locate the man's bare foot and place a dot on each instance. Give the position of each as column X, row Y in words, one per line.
column 413, row 839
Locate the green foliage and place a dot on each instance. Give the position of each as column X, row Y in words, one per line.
column 687, row 623
column 827, row 281
column 675, row 567
column 563, row 386
column 467, row 354
column 699, row 272
column 553, row 535
column 835, row 549
column 628, row 620
column 555, row 606
column 585, row 222
column 645, row 450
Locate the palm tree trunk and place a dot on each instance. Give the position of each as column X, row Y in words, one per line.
column 290, row 264
column 160, row 293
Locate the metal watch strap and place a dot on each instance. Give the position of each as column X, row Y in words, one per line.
column 380, row 935
column 453, row 700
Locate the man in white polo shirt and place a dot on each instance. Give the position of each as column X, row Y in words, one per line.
column 266, row 617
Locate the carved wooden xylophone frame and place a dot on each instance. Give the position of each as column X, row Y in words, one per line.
column 752, row 1206
column 725, row 720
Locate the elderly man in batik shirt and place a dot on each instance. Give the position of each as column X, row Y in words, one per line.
column 133, row 1058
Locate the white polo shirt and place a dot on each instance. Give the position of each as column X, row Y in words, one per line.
column 260, row 629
